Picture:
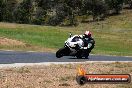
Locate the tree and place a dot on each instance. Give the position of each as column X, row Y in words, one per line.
column 6, row 9
column 23, row 13
column 115, row 5
column 43, row 9
column 2, row 7
column 74, row 9
column 129, row 2
column 96, row 8
column 61, row 13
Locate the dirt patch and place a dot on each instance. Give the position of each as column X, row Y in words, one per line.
column 60, row 76
column 8, row 25
column 12, row 25
column 10, row 42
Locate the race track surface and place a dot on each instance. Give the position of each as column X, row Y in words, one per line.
column 10, row 57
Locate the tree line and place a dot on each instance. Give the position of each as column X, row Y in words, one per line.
column 57, row 12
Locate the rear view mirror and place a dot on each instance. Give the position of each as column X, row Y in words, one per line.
column 70, row 34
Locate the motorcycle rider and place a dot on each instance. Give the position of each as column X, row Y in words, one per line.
column 89, row 43
column 77, row 45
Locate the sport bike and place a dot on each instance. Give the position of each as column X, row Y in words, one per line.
column 73, row 47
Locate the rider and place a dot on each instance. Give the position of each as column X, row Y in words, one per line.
column 87, row 38
column 88, row 42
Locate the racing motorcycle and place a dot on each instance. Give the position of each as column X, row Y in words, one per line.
column 73, row 47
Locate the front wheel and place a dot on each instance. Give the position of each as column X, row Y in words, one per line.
column 61, row 52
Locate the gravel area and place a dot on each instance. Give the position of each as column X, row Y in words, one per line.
column 61, row 75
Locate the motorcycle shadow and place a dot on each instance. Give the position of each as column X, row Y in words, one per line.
column 78, row 58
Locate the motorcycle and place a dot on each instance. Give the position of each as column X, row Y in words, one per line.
column 73, row 47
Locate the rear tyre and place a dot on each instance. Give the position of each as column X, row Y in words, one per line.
column 86, row 56
column 79, row 54
column 79, row 57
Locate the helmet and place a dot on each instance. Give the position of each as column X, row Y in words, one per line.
column 87, row 34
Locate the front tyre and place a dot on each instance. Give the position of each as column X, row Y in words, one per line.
column 61, row 52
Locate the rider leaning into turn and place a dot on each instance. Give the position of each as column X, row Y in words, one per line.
column 88, row 42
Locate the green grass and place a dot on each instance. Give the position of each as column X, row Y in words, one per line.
column 113, row 36
column 36, row 35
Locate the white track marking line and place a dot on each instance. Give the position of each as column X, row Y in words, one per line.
column 56, row 63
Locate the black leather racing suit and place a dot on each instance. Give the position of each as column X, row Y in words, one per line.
column 86, row 42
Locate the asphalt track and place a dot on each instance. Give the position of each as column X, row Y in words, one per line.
column 11, row 57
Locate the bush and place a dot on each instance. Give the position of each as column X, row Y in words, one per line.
column 37, row 11
column 38, row 21
column 55, row 20
column 23, row 13
column 115, row 5
column 96, row 8
column 6, row 10
column 129, row 2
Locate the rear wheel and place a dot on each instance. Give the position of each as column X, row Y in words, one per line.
column 79, row 54
column 79, row 57
column 86, row 56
